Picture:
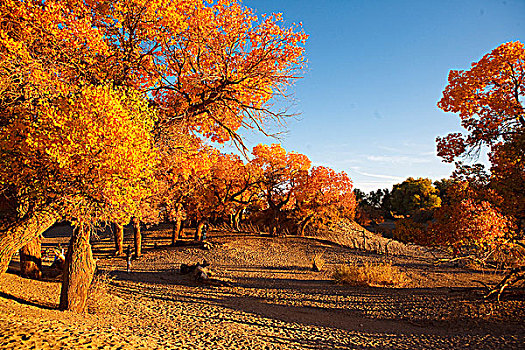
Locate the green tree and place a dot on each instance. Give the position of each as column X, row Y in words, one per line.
column 414, row 194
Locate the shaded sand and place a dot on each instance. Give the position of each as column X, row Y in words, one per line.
column 274, row 302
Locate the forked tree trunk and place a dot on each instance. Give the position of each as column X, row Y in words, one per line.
column 24, row 232
column 31, row 259
column 78, row 271
column 302, row 226
column 198, row 230
column 137, row 234
column 175, row 234
column 119, row 239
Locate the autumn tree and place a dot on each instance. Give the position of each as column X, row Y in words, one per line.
column 90, row 160
column 234, row 187
column 279, row 173
column 32, row 57
column 471, row 223
column 74, row 75
column 489, row 100
column 322, row 196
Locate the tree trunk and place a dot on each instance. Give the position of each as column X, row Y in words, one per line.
column 175, row 234
column 177, row 225
column 119, row 239
column 274, row 231
column 237, row 220
column 232, row 221
column 31, row 259
column 78, row 272
column 137, row 234
column 198, row 230
column 302, row 226
column 22, row 233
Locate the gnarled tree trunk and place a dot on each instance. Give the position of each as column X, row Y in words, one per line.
column 119, row 239
column 302, row 226
column 137, row 234
column 23, row 232
column 78, row 272
column 31, row 258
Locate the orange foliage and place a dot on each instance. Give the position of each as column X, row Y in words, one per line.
column 279, row 172
column 233, row 185
column 508, row 175
column 95, row 94
column 225, row 66
column 323, row 196
column 212, row 65
column 486, row 210
column 470, row 219
column 182, row 175
column 292, row 191
column 93, row 154
column 487, row 98
column 409, row 231
column 209, row 67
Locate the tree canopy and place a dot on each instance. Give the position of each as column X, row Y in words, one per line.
column 414, row 194
column 489, row 100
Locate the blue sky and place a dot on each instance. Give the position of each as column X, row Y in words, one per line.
column 376, row 71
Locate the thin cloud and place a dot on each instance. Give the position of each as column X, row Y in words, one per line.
column 381, row 176
column 398, row 159
column 390, row 149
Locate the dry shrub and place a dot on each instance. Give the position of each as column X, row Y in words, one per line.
column 318, row 262
column 100, row 301
column 370, row 274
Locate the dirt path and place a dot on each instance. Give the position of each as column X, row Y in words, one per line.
column 274, row 302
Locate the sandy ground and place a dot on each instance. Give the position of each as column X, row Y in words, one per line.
column 273, row 301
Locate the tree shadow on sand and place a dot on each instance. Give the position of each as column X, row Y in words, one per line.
column 353, row 316
column 46, row 306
